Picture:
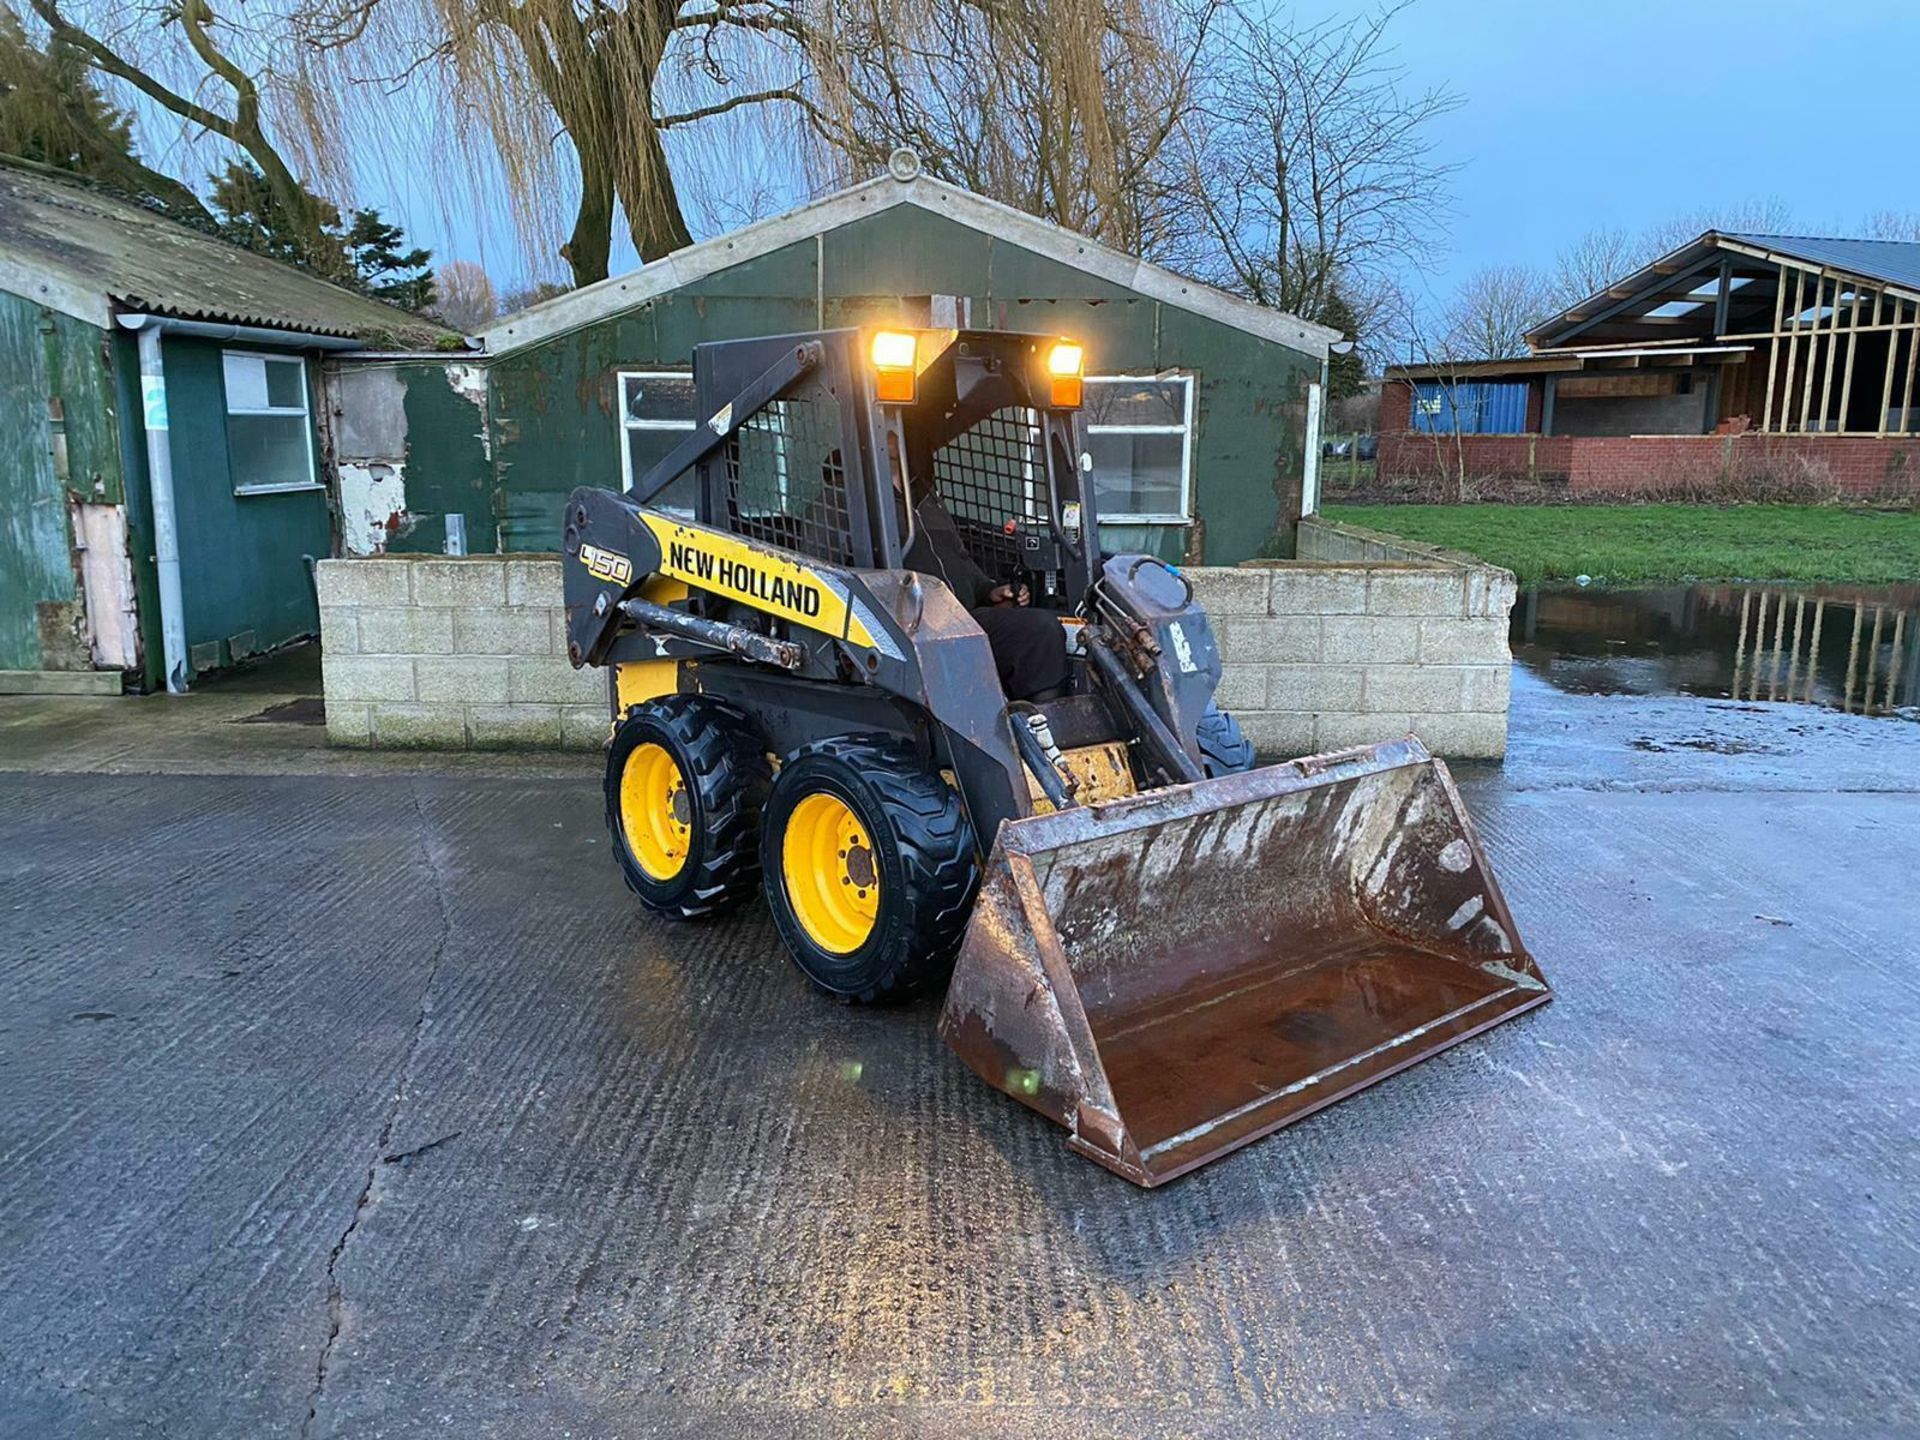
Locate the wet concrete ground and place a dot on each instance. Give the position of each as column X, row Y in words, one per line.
column 364, row 1104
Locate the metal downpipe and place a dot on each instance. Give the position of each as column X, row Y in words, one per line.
column 166, row 529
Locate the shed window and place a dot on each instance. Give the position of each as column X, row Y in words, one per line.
column 656, row 412
column 269, row 437
column 1140, row 435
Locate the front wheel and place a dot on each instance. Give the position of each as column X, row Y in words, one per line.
column 686, row 777
column 1223, row 747
column 870, row 869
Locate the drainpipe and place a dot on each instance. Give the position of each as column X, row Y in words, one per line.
column 153, row 403
column 166, row 532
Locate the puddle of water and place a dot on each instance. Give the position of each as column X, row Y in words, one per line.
column 1843, row 647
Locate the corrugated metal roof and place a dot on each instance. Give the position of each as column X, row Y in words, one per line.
column 1895, row 261
column 72, row 246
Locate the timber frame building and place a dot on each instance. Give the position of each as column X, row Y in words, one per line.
column 1797, row 354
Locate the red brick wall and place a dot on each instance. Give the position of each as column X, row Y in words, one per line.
column 1619, row 465
column 1396, row 408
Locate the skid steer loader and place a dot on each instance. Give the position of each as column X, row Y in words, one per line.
column 1162, row 948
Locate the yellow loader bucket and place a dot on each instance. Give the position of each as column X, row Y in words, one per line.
column 1175, row 975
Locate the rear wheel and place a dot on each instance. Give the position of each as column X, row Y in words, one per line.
column 686, row 779
column 870, row 868
column 1223, row 748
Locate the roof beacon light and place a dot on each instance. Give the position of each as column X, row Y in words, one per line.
column 1066, row 362
column 894, row 352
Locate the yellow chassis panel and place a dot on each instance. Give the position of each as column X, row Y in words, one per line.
column 1101, row 772
column 639, row 680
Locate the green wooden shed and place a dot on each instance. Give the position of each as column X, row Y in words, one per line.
column 162, row 475
column 1197, row 402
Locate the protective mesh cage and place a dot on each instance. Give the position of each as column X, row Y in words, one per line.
column 989, row 476
column 786, row 483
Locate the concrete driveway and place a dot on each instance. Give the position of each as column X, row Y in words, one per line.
column 368, row 1104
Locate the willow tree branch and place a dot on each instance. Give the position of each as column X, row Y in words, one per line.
column 107, row 60
column 757, row 97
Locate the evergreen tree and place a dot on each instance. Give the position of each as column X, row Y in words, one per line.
column 387, row 271
column 1346, row 374
column 362, row 252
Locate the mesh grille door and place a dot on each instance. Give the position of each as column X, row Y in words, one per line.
column 990, row 476
column 786, row 480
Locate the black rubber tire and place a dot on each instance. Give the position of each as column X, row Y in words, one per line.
column 1223, row 748
column 723, row 763
column 923, row 852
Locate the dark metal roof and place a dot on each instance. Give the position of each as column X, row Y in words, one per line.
column 1897, row 262
column 85, row 245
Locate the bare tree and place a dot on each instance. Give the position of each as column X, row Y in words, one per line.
column 1058, row 106
column 464, row 297
column 513, row 301
column 51, row 111
column 1310, row 164
column 1768, row 216
column 1492, row 311
column 1593, row 262
column 560, row 107
column 1436, row 403
column 1062, row 108
column 1891, row 225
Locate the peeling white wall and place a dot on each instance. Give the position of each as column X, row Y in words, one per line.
column 373, row 505
column 370, row 458
column 106, row 578
column 469, row 382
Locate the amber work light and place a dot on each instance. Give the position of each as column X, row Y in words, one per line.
column 1065, row 363
column 894, row 352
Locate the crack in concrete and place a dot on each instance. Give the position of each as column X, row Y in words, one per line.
column 400, row 1157
column 336, row 1296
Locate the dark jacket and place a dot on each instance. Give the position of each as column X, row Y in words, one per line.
column 938, row 550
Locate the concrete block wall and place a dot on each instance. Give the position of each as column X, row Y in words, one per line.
column 1380, row 639
column 1319, row 656
column 443, row 653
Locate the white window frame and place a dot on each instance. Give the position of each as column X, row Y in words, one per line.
column 312, row 482
column 627, row 422
column 1184, row 429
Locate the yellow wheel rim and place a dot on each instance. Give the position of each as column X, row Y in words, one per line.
column 656, row 813
column 831, row 874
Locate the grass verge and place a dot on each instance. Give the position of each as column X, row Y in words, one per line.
column 1647, row 544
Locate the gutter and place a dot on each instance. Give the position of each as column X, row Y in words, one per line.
column 153, row 404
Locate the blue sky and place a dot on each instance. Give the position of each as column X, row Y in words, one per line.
column 1628, row 112
column 1622, row 113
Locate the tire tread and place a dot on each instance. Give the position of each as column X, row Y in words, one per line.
column 936, row 846
column 731, row 774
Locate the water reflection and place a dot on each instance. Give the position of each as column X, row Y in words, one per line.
column 1852, row 648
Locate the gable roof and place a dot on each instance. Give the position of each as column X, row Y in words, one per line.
column 1894, row 263
column 88, row 253
column 990, row 218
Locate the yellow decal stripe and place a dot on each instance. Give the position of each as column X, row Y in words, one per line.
column 726, row 565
